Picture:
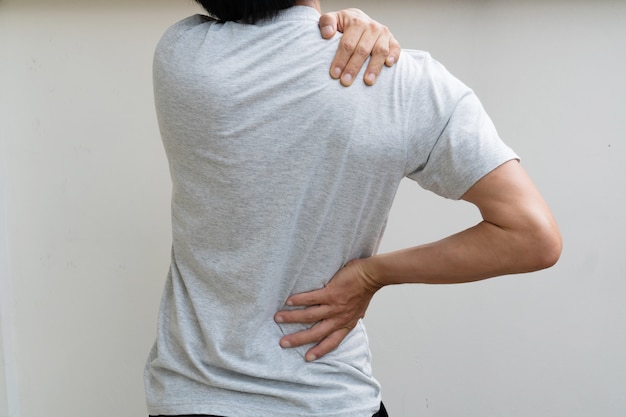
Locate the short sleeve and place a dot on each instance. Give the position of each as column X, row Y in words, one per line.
column 467, row 147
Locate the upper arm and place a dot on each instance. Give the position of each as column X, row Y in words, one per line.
column 508, row 199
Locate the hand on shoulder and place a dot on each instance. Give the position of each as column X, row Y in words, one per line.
column 362, row 38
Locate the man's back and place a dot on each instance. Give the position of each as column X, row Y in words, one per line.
column 280, row 177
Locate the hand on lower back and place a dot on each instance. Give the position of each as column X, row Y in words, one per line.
column 333, row 311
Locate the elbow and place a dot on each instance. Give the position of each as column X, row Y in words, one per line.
column 551, row 252
column 545, row 247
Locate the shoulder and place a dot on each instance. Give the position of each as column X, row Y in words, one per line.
column 417, row 55
column 182, row 27
column 433, row 83
column 429, row 68
column 190, row 23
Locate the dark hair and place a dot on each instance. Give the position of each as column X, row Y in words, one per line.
column 248, row 11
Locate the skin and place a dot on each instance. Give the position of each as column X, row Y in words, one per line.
column 517, row 234
column 363, row 39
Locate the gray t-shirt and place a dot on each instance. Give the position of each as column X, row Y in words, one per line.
column 280, row 177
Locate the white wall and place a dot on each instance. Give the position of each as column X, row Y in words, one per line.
column 87, row 201
column 6, row 368
column 86, row 212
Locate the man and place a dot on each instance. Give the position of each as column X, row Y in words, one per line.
column 282, row 183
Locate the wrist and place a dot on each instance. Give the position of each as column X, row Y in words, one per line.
column 368, row 273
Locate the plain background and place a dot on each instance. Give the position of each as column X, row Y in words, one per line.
column 84, row 212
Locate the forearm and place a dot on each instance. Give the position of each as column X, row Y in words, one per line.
column 481, row 252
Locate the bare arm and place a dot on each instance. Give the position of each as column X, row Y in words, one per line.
column 518, row 234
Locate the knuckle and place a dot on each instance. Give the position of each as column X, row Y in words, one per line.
column 315, row 335
column 348, row 45
column 362, row 50
column 309, row 317
column 345, row 318
column 381, row 50
column 374, row 26
column 359, row 21
column 309, row 300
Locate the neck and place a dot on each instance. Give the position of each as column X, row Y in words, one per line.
column 310, row 3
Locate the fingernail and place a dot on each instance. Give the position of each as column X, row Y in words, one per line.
column 280, row 319
column 327, row 31
column 311, row 358
column 391, row 60
column 289, row 302
column 336, row 72
column 371, row 78
column 285, row 344
column 347, row 78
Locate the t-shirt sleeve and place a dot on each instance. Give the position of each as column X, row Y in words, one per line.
column 463, row 146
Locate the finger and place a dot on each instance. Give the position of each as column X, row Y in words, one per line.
column 366, row 44
column 380, row 52
column 347, row 46
column 308, row 315
column 328, row 25
column 307, row 299
column 327, row 345
column 394, row 52
column 305, row 337
column 352, row 23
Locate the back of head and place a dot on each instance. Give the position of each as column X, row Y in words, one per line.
column 248, row 11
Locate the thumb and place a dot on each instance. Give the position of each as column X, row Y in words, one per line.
column 328, row 25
